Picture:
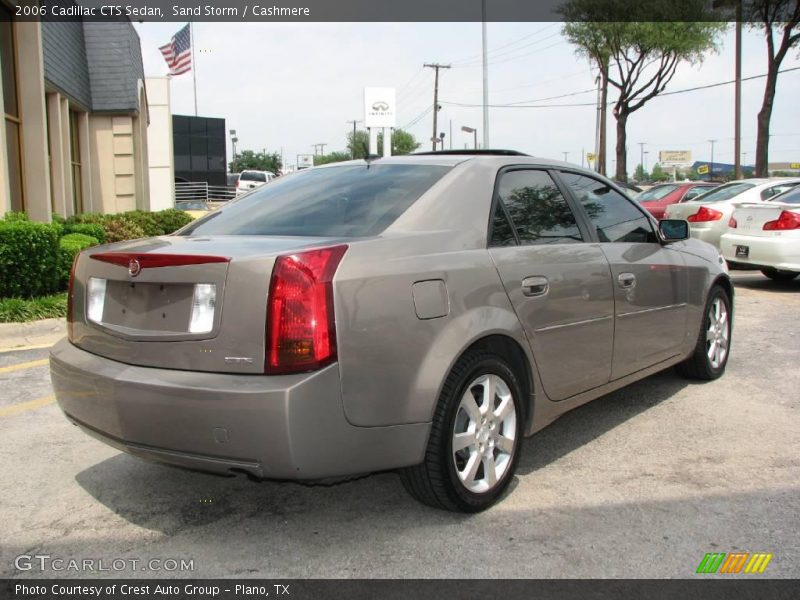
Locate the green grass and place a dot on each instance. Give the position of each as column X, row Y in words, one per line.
column 18, row 310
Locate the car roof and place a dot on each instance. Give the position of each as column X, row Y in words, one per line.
column 454, row 158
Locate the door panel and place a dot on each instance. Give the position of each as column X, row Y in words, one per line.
column 571, row 326
column 650, row 280
column 651, row 313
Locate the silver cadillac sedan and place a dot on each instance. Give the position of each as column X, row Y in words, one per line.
column 422, row 313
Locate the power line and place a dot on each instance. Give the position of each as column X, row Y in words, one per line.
column 473, row 57
column 513, row 50
column 566, row 105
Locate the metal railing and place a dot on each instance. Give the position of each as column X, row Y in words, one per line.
column 200, row 191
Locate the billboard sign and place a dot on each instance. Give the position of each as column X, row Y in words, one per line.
column 380, row 109
column 674, row 157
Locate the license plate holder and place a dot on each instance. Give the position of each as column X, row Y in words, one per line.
column 742, row 251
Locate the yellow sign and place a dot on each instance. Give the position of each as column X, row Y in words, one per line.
column 702, row 170
column 590, row 157
column 794, row 165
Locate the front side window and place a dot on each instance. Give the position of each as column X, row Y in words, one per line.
column 346, row 201
column 613, row 216
column 537, row 209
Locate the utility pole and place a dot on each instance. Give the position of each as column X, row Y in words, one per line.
column 485, row 77
column 435, row 67
column 353, row 143
column 641, row 154
column 737, row 103
column 711, row 169
column 565, row 156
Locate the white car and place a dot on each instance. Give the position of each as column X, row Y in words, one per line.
column 766, row 236
column 708, row 214
column 250, row 180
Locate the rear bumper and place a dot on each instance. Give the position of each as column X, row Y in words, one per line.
column 285, row 427
column 775, row 252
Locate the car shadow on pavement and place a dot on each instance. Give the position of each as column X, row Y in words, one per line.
column 170, row 500
column 760, row 283
column 588, row 422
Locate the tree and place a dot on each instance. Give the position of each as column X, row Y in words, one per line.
column 781, row 17
column 402, row 143
column 659, row 174
column 256, row 161
column 644, row 43
column 333, row 157
column 640, row 174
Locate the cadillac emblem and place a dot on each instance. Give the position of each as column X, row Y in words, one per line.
column 134, row 268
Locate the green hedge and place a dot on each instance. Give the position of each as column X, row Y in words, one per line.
column 36, row 258
column 68, row 248
column 28, row 258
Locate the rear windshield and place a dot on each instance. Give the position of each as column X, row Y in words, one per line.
column 724, row 192
column 790, row 197
column 346, row 201
column 656, row 193
column 252, row 176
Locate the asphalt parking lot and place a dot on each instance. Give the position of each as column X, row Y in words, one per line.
column 641, row 483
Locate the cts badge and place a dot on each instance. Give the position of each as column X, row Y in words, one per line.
column 134, row 268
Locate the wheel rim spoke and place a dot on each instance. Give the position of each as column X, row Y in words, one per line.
column 464, row 440
column 484, row 433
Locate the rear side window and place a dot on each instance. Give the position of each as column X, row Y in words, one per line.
column 724, row 192
column 346, row 201
column 253, row 176
column 775, row 190
column 694, row 193
column 792, row 197
column 538, row 211
column 613, row 216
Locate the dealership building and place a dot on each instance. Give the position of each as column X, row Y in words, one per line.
column 73, row 137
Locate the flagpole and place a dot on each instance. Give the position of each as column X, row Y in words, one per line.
column 194, row 64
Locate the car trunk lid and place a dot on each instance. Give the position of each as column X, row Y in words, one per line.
column 193, row 303
column 751, row 217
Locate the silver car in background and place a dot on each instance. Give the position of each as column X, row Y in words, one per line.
column 421, row 313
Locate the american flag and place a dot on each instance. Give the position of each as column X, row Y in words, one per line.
column 178, row 53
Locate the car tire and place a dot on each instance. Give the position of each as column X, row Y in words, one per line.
column 779, row 275
column 711, row 352
column 481, row 407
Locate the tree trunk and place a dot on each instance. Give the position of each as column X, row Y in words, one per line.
column 764, row 117
column 622, row 151
column 601, row 153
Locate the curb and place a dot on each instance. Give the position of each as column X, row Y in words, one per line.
column 17, row 336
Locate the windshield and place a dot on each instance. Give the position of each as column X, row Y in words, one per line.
column 656, row 193
column 724, row 192
column 790, row 197
column 346, row 201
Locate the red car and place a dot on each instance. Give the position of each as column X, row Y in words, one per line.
column 656, row 199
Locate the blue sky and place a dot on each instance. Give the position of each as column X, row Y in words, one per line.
column 292, row 85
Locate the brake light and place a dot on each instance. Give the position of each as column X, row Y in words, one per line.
column 704, row 215
column 70, row 299
column 301, row 331
column 732, row 223
column 787, row 220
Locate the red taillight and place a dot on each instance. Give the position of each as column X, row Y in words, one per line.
column 705, row 214
column 732, row 223
column 70, row 299
column 301, row 332
column 786, row 220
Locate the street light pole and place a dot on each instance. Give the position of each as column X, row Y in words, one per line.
column 711, row 169
column 485, row 77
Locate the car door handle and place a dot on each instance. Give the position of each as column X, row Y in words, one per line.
column 535, row 286
column 626, row 280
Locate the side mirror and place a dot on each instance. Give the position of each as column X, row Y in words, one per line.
column 673, row 230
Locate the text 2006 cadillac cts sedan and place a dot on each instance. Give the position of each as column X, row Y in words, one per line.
column 421, row 313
